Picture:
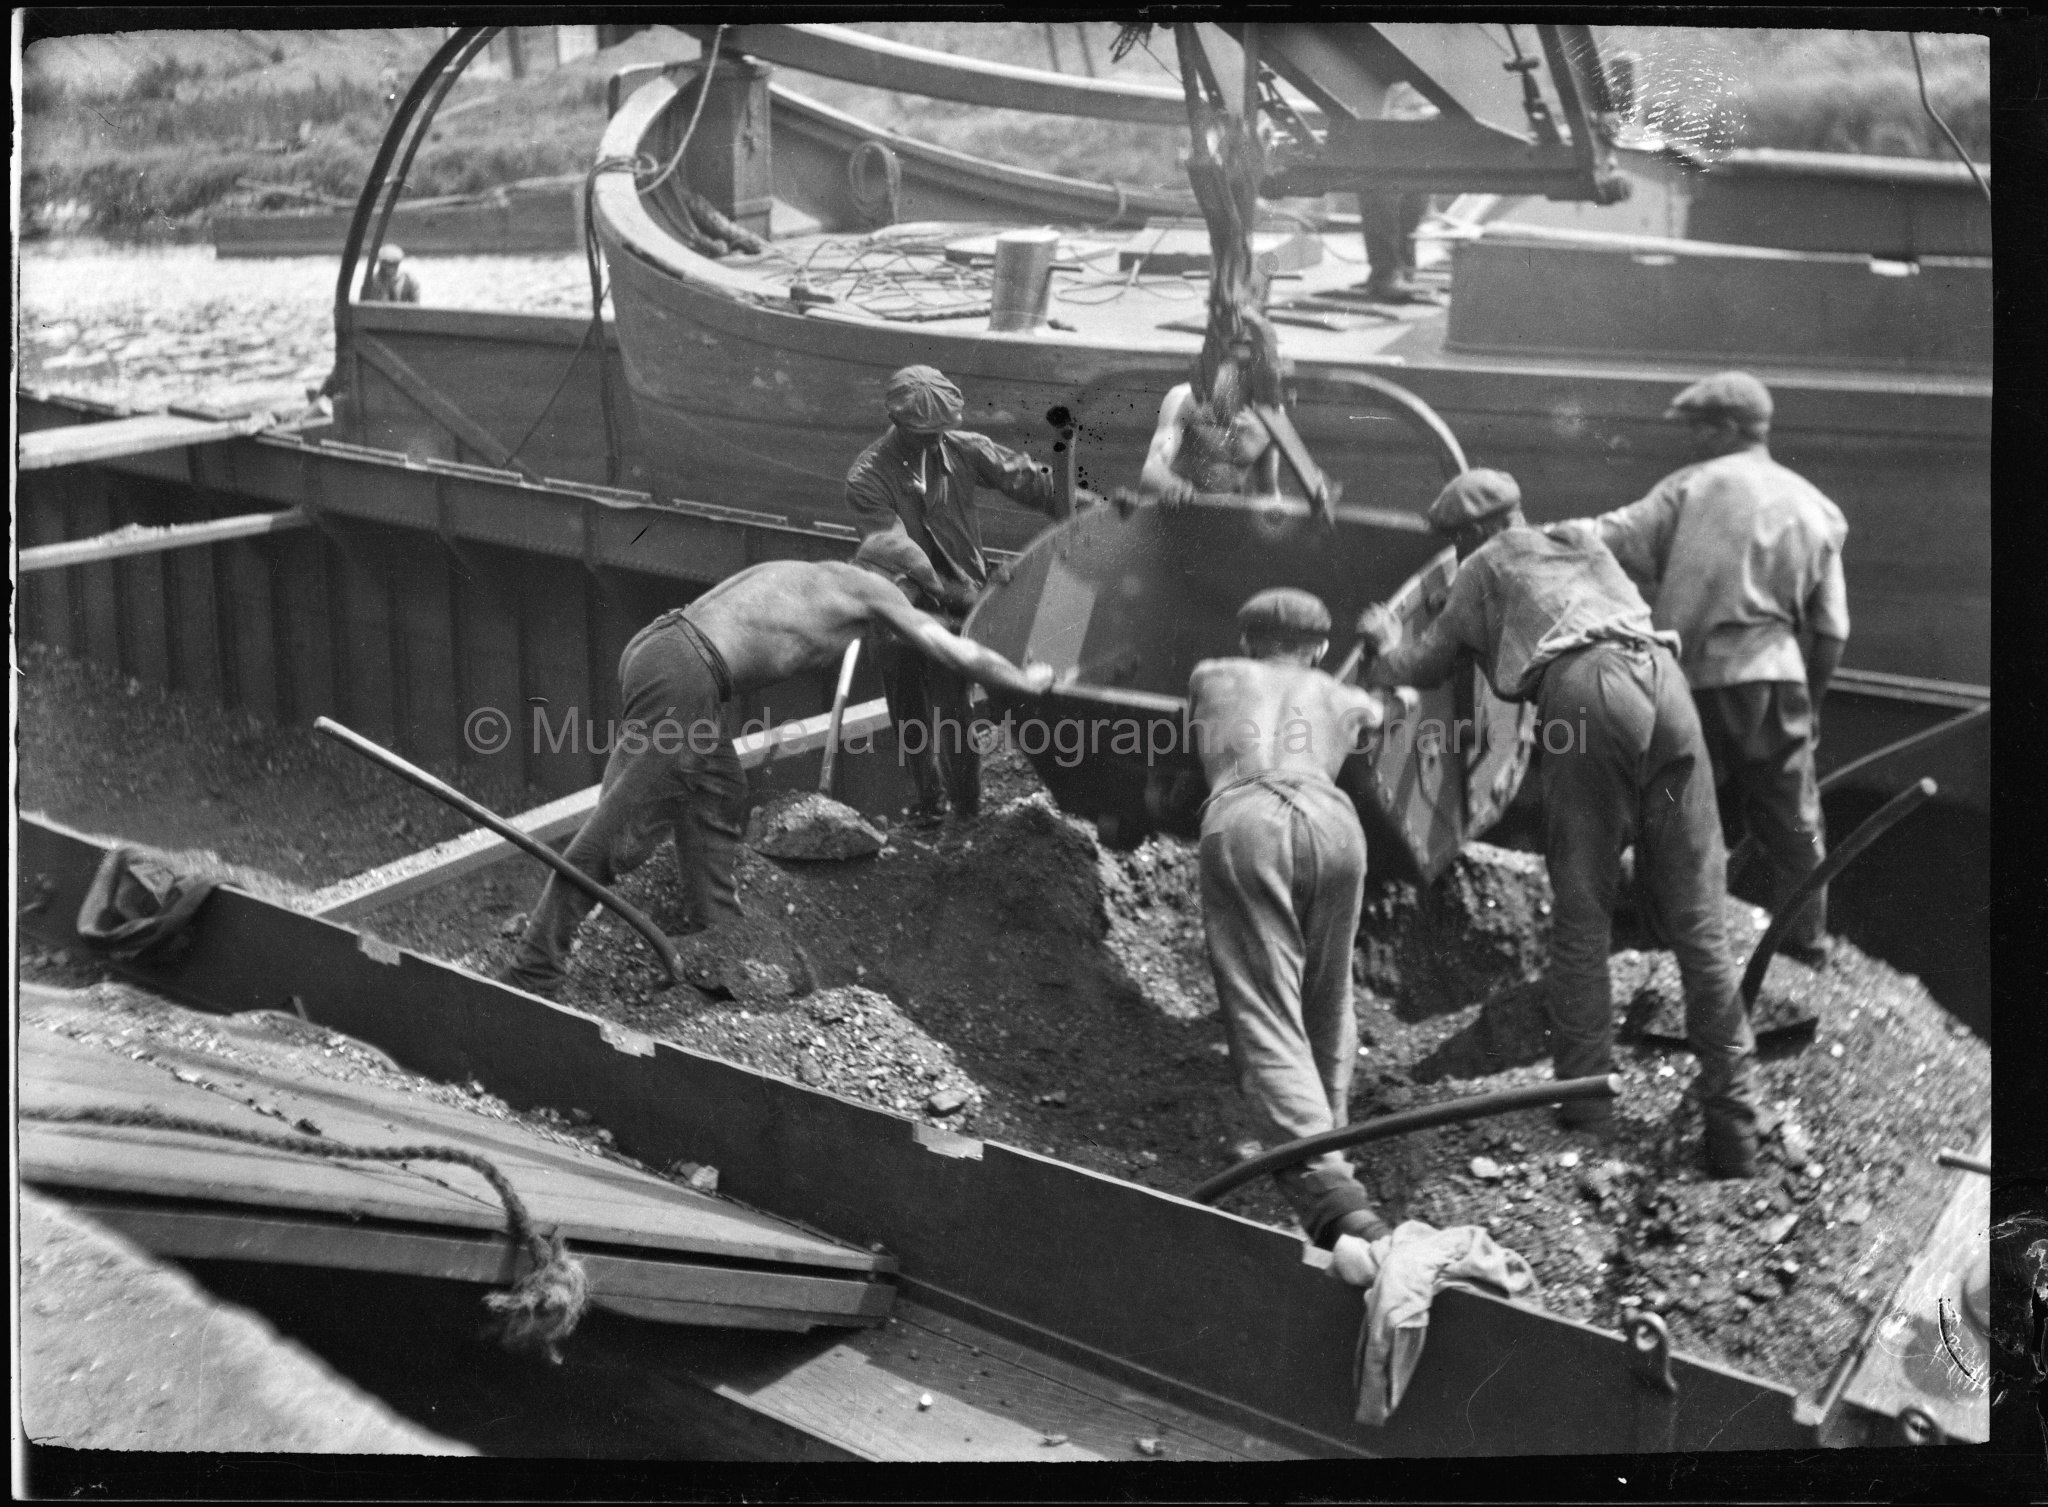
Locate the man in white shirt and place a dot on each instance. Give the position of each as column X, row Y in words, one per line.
column 1743, row 559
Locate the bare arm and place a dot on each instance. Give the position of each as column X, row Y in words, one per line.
column 1158, row 476
column 930, row 638
column 1428, row 659
column 1821, row 664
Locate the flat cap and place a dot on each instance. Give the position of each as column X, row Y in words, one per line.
column 390, row 252
column 1286, row 612
column 922, row 400
column 1737, row 395
column 895, row 553
column 1471, row 496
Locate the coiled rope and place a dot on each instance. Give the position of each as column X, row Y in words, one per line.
column 537, row 1312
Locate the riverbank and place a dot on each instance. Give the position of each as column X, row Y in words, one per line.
column 147, row 152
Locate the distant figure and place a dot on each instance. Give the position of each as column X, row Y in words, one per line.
column 1388, row 222
column 390, row 281
column 1217, row 447
column 1283, row 877
column 919, row 480
column 1552, row 618
column 678, row 775
column 1744, row 559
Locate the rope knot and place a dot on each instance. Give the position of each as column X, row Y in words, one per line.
column 542, row 1308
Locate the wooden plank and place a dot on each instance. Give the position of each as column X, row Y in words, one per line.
column 430, row 728
column 145, row 619
column 98, row 597
column 305, row 629
column 139, row 540
column 843, row 53
column 194, row 624
column 252, row 640
column 582, row 1195
column 555, row 657
column 1909, row 1362
column 444, row 411
column 992, row 1399
column 364, row 655
column 667, row 1292
column 488, row 650
column 44, row 449
column 376, row 888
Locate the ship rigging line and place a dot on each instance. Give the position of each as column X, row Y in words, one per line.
column 1920, row 74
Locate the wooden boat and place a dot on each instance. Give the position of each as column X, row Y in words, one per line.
column 519, row 218
column 1554, row 360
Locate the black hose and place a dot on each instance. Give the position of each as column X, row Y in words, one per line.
column 484, row 816
column 366, row 202
column 1918, row 742
column 1889, row 815
column 420, row 126
column 1451, row 1112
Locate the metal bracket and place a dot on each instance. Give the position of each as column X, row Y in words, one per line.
column 1917, row 1426
column 1649, row 1352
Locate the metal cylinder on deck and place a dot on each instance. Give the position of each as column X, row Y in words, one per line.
column 1023, row 279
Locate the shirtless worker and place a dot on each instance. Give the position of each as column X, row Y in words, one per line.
column 1220, row 446
column 919, row 479
column 1283, row 876
column 680, row 774
column 1552, row 618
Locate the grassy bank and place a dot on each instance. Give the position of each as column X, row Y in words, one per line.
column 165, row 141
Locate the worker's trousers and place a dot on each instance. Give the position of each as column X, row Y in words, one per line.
column 680, row 778
column 1283, row 876
column 1637, row 772
column 928, row 707
column 1760, row 737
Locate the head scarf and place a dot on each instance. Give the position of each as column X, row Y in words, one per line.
column 922, row 400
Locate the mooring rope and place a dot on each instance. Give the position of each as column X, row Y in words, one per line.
column 536, row 1313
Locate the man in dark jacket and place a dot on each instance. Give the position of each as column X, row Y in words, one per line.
column 919, row 479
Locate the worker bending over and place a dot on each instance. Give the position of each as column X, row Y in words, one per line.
column 918, row 479
column 681, row 776
column 1552, row 618
column 1744, row 560
column 1283, row 876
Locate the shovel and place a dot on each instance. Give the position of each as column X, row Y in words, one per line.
column 817, row 826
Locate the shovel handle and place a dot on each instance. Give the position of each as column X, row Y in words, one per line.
column 630, row 913
column 831, row 760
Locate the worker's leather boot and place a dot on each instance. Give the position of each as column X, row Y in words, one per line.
column 1731, row 1151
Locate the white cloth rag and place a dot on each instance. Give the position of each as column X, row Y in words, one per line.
column 1402, row 1274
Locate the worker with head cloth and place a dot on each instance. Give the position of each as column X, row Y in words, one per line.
column 1283, row 876
column 1744, row 560
column 919, row 479
column 1552, row 618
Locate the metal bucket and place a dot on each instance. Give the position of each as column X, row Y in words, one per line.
column 1023, row 279
column 1133, row 604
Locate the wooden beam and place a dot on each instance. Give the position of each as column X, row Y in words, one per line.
column 444, row 412
column 138, row 540
column 43, row 449
column 359, row 895
column 667, row 1292
column 841, row 52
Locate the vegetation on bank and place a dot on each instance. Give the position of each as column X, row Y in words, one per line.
column 177, row 138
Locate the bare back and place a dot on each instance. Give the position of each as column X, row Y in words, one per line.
column 785, row 617
column 1264, row 715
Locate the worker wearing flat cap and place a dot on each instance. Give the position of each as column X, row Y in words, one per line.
column 1742, row 559
column 1552, row 618
column 390, row 280
column 919, row 479
column 1283, row 875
